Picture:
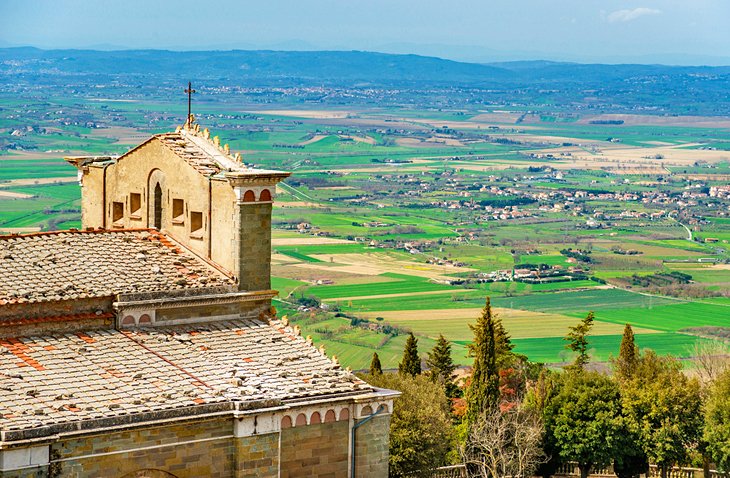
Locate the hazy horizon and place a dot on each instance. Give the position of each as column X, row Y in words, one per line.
column 585, row 31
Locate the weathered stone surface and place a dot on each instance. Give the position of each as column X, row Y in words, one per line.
column 371, row 448
column 318, row 450
column 254, row 260
column 185, row 450
column 99, row 375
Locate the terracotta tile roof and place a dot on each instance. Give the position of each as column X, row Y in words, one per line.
column 79, row 264
column 61, row 379
column 192, row 153
column 56, row 318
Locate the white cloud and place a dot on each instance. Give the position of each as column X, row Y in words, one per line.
column 629, row 15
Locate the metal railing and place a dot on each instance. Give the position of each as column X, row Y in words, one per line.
column 571, row 469
column 453, row 471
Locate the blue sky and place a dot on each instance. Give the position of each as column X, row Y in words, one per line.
column 663, row 31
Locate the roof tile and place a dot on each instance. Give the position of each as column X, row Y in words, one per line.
column 110, row 373
column 75, row 264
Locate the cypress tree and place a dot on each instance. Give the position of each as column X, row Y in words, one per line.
column 502, row 344
column 411, row 363
column 483, row 391
column 375, row 367
column 578, row 342
column 441, row 366
column 628, row 355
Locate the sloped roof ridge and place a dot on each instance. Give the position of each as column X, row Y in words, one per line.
column 76, row 231
column 225, row 161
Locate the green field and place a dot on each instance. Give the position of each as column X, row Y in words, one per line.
column 402, row 284
column 602, row 347
column 483, row 197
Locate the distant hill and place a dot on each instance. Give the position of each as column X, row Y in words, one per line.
column 323, row 66
column 311, row 66
column 359, row 77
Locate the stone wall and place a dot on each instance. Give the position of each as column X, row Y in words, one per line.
column 52, row 317
column 254, row 248
column 138, row 172
column 184, row 450
column 257, row 456
column 222, row 234
column 317, row 450
column 312, row 441
column 372, row 448
column 35, row 472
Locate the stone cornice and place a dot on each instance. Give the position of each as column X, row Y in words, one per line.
column 255, row 177
column 207, row 299
column 235, row 409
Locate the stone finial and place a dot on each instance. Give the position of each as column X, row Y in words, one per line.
column 334, row 360
column 309, row 340
column 178, row 129
column 206, row 133
column 190, row 123
column 227, row 148
column 237, row 157
column 216, row 141
column 297, row 331
column 322, row 350
column 348, row 369
column 285, row 320
column 197, row 128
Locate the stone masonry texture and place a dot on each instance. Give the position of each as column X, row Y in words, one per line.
column 257, row 456
column 318, row 451
column 371, row 448
column 255, row 247
column 160, row 448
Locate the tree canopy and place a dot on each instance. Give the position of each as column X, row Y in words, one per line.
column 583, row 419
column 420, row 426
column 663, row 406
column 375, row 366
column 482, row 393
column 628, row 355
column 717, row 421
column 578, row 341
column 441, row 366
column 411, row 362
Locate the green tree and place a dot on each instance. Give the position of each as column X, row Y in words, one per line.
column 420, row 426
column 630, row 460
column 663, row 407
column 498, row 287
column 411, row 363
column 583, row 419
column 628, row 355
column 545, row 388
column 441, row 366
column 375, row 367
column 503, row 345
column 717, row 421
column 578, row 341
column 482, row 394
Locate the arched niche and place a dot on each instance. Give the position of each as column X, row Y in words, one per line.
column 156, row 192
column 315, row 418
column 249, row 196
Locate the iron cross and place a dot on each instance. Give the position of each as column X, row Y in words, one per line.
column 190, row 92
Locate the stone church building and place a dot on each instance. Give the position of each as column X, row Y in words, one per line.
column 145, row 344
